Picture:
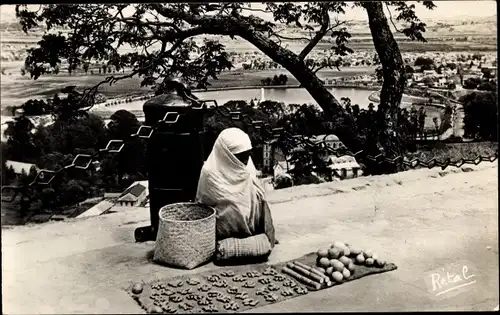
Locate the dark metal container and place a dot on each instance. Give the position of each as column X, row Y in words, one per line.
column 175, row 152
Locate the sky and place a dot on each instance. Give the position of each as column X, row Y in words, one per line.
column 444, row 10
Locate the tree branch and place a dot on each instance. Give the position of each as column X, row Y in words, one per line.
column 390, row 17
column 287, row 38
column 254, row 10
column 319, row 35
column 148, row 23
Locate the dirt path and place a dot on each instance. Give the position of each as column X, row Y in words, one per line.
column 420, row 220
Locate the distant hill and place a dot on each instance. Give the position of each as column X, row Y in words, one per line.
column 459, row 23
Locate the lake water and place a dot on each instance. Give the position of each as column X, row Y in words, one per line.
column 285, row 95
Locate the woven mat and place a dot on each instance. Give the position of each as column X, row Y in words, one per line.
column 231, row 289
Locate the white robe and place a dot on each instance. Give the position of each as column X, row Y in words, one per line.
column 231, row 187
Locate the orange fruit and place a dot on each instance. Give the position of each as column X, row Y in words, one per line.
column 341, row 250
column 380, row 263
column 322, row 253
column 137, row 288
column 345, row 260
column 338, row 244
column 360, row 259
column 351, row 267
column 333, row 253
column 324, row 262
column 355, row 251
column 337, row 265
column 337, row 276
column 368, row 253
column 329, row 271
column 347, row 251
column 346, row 273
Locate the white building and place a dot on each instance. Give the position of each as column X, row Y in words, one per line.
column 417, row 76
column 134, row 195
column 345, row 166
column 331, row 141
column 429, row 73
column 271, row 154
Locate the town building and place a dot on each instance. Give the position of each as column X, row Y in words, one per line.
column 134, row 195
column 331, row 141
column 272, row 153
column 344, row 166
column 428, row 73
column 112, row 195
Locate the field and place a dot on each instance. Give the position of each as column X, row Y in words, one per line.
column 442, row 36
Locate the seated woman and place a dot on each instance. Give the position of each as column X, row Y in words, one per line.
column 228, row 183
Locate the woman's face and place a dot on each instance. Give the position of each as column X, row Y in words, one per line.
column 243, row 157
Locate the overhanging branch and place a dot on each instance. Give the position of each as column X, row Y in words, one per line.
column 392, row 21
column 319, row 35
column 279, row 36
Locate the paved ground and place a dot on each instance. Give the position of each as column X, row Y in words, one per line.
column 421, row 220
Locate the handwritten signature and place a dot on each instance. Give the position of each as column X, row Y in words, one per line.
column 444, row 281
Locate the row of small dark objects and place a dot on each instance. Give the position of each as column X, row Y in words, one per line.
column 129, row 100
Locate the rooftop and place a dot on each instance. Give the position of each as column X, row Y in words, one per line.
column 136, row 189
column 328, row 137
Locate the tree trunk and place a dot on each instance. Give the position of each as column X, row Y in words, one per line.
column 344, row 125
column 390, row 57
column 388, row 140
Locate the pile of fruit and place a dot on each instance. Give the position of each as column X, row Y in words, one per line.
column 340, row 260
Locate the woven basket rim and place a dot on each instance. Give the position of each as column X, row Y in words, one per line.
column 214, row 212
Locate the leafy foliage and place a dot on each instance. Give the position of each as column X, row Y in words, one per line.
column 472, row 83
column 282, row 79
column 423, row 61
column 162, row 35
column 487, row 86
column 413, row 28
column 54, row 146
column 20, row 140
column 480, row 121
column 163, row 42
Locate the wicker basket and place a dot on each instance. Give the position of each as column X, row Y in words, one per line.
column 186, row 235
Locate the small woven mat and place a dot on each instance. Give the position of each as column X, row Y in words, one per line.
column 231, row 289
